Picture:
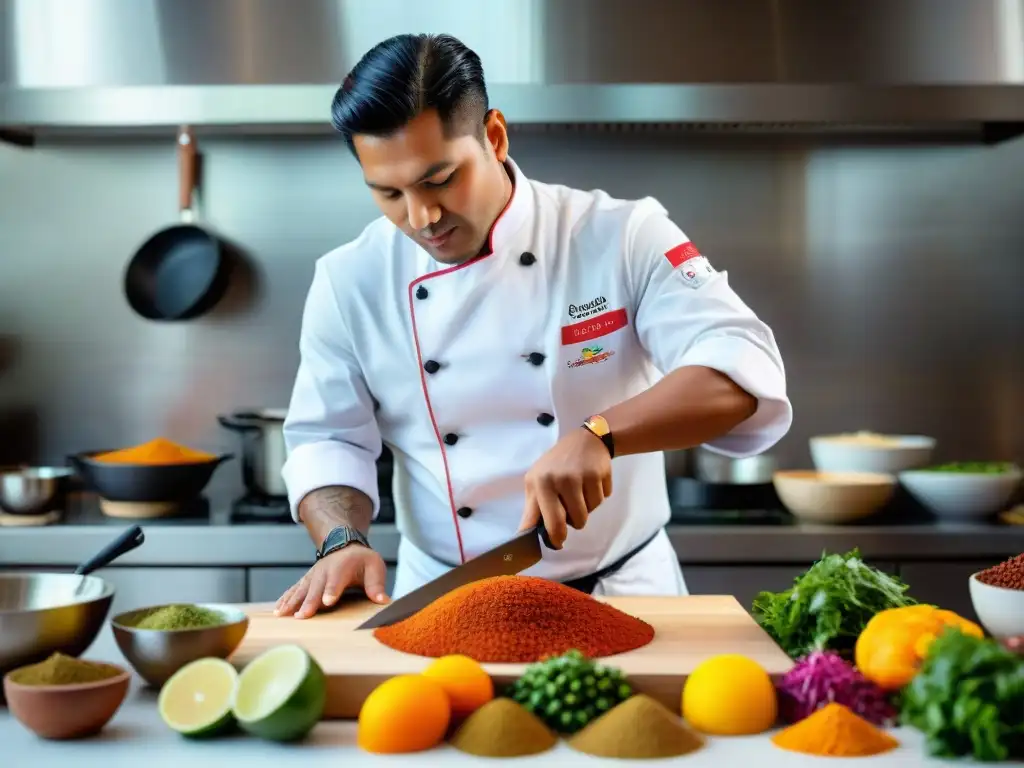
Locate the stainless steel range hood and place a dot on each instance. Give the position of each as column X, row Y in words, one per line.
column 138, row 66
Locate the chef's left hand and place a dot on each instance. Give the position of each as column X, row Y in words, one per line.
column 566, row 484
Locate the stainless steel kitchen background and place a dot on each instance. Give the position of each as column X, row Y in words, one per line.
column 891, row 274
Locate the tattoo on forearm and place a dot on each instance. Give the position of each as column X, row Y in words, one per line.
column 327, row 508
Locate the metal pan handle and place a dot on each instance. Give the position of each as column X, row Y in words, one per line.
column 186, row 172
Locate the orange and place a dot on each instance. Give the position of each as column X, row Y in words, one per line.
column 729, row 695
column 468, row 686
column 406, row 713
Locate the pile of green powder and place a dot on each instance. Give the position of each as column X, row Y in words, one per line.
column 60, row 669
column 179, row 617
column 639, row 727
column 503, row 728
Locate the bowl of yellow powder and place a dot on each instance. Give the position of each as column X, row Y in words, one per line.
column 160, row 470
column 159, row 640
column 64, row 697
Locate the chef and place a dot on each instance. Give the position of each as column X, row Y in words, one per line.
column 526, row 350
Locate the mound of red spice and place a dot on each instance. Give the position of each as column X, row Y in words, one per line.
column 1008, row 574
column 516, row 619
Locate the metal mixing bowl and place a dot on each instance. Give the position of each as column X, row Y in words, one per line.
column 33, row 490
column 43, row 613
column 156, row 654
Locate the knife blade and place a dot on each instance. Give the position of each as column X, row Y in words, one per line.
column 508, row 559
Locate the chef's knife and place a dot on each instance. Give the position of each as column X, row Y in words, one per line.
column 510, row 558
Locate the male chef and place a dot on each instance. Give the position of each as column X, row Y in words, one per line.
column 526, row 350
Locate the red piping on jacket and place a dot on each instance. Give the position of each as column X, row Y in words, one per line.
column 423, row 378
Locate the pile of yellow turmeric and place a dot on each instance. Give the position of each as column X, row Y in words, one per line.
column 835, row 731
column 155, row 452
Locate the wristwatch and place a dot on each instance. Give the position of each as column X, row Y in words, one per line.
column 598, row 427
column 339, row 538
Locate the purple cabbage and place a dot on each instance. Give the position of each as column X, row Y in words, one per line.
column 822, row 677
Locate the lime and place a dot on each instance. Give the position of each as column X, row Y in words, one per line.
column 281, row 694
column 196, row 700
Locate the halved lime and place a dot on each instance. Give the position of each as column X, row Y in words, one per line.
column 281, row 694
column 196, row 700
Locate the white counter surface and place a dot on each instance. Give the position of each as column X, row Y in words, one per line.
column 137, row 738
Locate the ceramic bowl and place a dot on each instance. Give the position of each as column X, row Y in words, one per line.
column 67, row 711
column 1000, row 610
column 156, row 654
column 962, row 495
column 867, row 452
column 833, row 497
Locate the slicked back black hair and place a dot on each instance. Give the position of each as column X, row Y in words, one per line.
column 406, row 75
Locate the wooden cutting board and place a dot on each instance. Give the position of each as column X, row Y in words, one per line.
column 687, row 631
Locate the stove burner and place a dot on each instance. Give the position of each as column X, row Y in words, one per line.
column 256, row 508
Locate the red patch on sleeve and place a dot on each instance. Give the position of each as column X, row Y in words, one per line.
column 682, row 254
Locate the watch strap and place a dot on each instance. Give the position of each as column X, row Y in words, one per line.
column 339, row 538
column 598, row 427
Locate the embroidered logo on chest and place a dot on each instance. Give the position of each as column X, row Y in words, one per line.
column 593, row 307
column 590, row 355
column 690, row 264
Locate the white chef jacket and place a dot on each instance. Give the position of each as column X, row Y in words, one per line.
column 469, row 373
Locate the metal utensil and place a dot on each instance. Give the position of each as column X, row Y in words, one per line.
column 182, row 271
column 510, row 558
column 128, row 540
column 32, row 490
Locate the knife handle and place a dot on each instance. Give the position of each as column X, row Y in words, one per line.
column 544, row 534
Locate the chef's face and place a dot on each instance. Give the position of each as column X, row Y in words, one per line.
column 443, row 191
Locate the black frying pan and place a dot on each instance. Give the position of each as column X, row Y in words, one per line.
column 181, row 272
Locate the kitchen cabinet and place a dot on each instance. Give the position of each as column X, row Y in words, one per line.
column 745, row 581
column 943, row 584
column 265, row 585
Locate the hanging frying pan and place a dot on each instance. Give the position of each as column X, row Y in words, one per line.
column 180, row 272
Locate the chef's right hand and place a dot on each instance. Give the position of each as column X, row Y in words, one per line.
column 327, row 579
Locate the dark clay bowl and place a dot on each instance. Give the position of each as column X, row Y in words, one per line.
column 144, row 482
column 72, row 711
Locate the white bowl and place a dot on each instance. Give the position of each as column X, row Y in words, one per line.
column 961, row 495
column 833, row 497
column 868, row 452
column 1000, row 610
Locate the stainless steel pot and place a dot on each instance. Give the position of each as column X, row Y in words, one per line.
column 263, row 449
column 753, row 470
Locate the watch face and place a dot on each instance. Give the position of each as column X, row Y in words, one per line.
column 598, row 425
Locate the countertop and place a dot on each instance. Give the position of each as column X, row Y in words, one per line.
column 211, row 538
column 136, row 736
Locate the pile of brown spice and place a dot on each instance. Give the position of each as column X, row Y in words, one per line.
column 1009, row 574
column 639, row 727
column 60, row 669
column 516, row 619
column 835, row 731
column 503, row 728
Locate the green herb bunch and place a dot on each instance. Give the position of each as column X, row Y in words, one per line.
column 570, row 690
column 829, row 605
column 968, row 699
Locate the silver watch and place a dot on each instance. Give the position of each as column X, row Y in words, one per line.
column 339, row 538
